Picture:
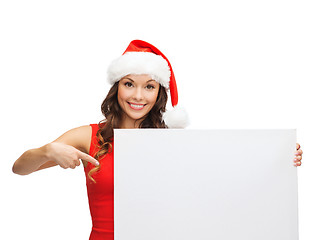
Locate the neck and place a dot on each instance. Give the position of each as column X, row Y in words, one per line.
column 130, row 123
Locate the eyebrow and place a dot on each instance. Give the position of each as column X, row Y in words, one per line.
column 134, row 81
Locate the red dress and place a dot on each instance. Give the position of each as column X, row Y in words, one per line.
column 101, row 193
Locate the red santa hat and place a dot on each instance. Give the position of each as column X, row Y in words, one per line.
column 141, row 57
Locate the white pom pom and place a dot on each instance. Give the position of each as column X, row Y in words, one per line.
column 176, row 118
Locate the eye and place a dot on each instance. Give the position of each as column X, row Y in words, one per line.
column 128, row 84
column 150, row 87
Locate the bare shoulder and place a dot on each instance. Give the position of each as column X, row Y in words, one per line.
column 79, row 137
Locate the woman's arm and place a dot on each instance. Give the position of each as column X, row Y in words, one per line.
column 65, row 151
column 31, row 160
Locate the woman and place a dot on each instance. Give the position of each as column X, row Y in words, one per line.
column 137, row 99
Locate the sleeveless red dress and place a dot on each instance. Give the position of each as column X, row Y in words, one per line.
column 101, row 193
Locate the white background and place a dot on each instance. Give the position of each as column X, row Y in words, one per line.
column 238, row 64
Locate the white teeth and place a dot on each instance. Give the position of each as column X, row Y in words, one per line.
column 137, row 106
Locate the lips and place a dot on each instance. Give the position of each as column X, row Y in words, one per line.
column 136, row 106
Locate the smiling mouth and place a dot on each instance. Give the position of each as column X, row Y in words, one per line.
column 136, row 106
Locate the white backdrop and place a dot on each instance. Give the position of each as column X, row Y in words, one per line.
column 238, row 64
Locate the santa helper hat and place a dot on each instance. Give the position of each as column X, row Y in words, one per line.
column 143, row 58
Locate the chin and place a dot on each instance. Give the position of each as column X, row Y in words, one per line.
column 140, row 117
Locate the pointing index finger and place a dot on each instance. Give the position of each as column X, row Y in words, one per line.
column 88, row 158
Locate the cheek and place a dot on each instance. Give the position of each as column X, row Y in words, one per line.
column 122, row 94
column 153, row 97
column 156, row 94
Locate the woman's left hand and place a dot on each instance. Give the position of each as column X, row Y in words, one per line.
column 298, row 156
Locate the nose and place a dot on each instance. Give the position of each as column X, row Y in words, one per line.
column 138, row 95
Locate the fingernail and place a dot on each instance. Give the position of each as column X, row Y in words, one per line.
column 97, row 163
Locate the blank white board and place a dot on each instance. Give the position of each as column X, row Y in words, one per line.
column 175, row 184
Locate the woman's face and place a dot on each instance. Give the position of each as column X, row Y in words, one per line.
column 137, row 95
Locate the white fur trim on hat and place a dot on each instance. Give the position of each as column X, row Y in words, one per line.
column 140, row 63
column 176, row 118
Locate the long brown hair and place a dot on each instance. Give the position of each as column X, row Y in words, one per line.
column 112, row 111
